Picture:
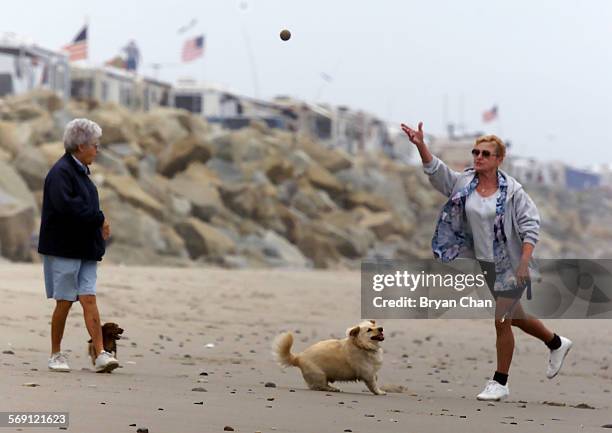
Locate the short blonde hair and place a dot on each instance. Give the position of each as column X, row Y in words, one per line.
column 500, row 147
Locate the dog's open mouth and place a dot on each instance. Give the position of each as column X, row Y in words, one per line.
column 379, row 337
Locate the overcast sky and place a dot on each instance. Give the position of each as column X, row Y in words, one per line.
column 546, row 64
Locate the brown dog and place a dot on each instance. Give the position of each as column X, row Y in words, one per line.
column 111, row 332
column 356, row 357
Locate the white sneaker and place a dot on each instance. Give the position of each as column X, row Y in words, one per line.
column 557, row 356
column 59, row 362
column 105, row 363
column 494, row 391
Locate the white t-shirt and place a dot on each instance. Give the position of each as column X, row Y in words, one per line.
column 480, row 212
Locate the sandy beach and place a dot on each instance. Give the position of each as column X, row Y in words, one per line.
column 197, row 358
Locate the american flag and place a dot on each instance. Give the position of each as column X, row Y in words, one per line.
column 77, row 50
column 193, row 48
column 490, row 115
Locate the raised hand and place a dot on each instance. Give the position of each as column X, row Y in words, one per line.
column 415, row 136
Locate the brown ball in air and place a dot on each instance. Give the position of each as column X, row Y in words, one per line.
column 285, row 35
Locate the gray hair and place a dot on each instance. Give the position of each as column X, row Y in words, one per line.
column 80, row 131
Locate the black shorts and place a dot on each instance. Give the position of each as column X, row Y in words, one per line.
column 488, row 269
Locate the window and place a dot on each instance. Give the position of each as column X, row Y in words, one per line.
column 6, row 84
column 104, row 90
column 191, row 103
column 81, row 89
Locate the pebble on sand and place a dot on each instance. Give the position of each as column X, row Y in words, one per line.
column 270, row 385
column 228, row 428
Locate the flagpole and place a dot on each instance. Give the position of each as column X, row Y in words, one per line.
column 251, row 60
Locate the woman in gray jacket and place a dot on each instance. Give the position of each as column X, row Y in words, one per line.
column 490, row 217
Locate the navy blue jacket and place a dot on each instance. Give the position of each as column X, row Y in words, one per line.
column 71, row 220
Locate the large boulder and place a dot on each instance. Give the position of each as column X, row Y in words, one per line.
column 52, row 151
column 321, row 178
column 320, row 249
column 273, row 250
column 16, row 228
column 43, row 99
column 32, row 165
column 203, row 239
column 134, row 227
column 115, row 122
column 181, row 153
column 199, row 186
column 10, row 139
column 129, row 190
column 384, row 224
column 161, row 127
column 240, row 146
column 371, row 201
column 12, row 183
column 332, row 159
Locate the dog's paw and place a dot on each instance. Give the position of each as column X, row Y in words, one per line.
column 381, row 392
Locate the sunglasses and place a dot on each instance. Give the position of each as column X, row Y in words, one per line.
column 485, row 153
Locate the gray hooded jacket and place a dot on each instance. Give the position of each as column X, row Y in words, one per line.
column 521, row 218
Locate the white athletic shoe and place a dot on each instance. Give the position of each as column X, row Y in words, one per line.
column 105, row 363
column 494, row 391
column 557, row 356
column 59, row 362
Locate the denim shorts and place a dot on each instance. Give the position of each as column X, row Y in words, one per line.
column 66, row 279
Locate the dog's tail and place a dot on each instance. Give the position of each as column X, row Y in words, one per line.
column 282, row 350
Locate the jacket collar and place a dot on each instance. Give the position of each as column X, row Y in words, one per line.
column 80, row 167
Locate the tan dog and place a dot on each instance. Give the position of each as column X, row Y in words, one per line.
column 111, row 332
column 356, row 357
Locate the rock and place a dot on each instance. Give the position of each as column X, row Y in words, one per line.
column 181, row 153
column 8, row 352
column 274, row 250
column 116, row 124
column 12, row 183
column 52, row 151
column 16, row 228
column 200, row 191
column 228, row 428
column 321, row 178
column 127, row 188
column 332, row 159
column 368, row 200
column 44, row 99
column 311, row 201
column 319, row 248
column 112, row 163
column 199, row 389
column 9, row 137
column 202, row 239
column 142, row 430
column 240, row 146
column 32, row 165
column 270, row 385
column 161, row 127
column 384, row 224
column 256, row 202
column 135, row 227
column 279, row 170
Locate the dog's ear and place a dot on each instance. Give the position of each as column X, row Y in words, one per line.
column 373, row 322
column 354, row 332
